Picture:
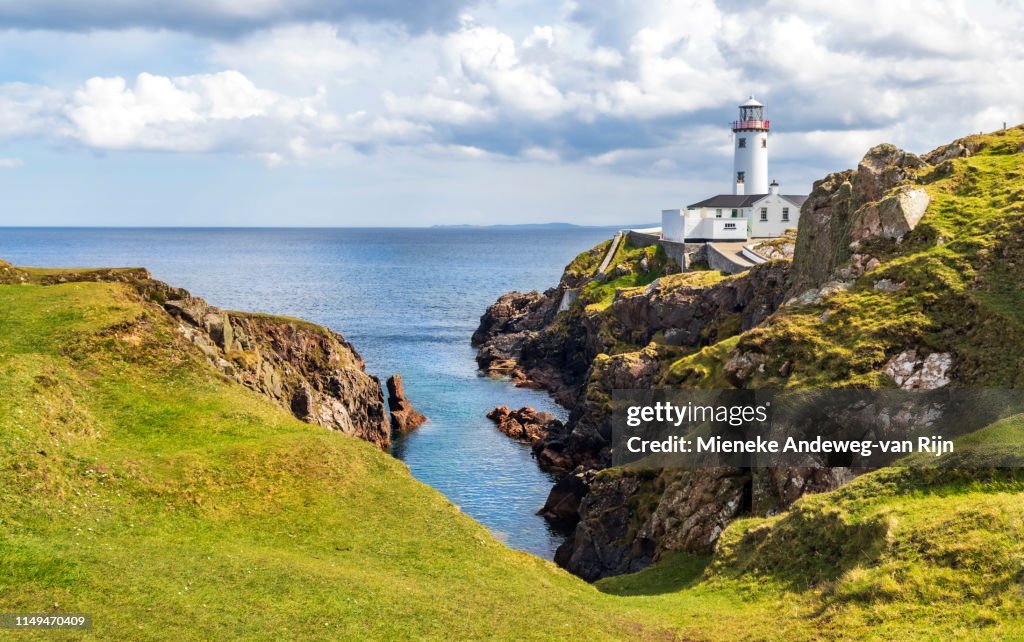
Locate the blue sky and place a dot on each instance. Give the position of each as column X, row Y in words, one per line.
column 296, row 112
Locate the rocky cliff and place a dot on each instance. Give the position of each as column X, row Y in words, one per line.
column 905, row 273
column 309, row 370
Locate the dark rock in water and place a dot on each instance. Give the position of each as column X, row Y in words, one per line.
column 563, row 504
column 526, row 424
column 404, row 418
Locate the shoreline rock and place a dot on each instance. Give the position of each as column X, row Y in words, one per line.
column 525, row 425
column 404, row 418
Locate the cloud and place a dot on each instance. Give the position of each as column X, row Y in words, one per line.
column 619, row 84
column 205, row 112
column 222, row 112
column 10, row 163
column 629, row 87
column 313, row 52
column 220, row 17
column 28, row 110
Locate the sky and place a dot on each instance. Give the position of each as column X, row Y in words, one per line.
column 385, row 112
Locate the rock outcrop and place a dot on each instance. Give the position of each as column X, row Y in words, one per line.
column 514, row 339
column 526, row 424
column 404, row 418
column 563, row 504
column 847, row 211
column 10, row 275
column 629, row 518
column 307, row 369
column 867, row 300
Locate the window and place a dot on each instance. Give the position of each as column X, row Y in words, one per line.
column 785, row 213
column 718, row 213
column 740, row 176
column 764, row 143
column 764, row 214
column 742, row 143
column 735, row 213
column 729, row 226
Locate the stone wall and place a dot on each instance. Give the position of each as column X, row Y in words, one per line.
column 684, row 254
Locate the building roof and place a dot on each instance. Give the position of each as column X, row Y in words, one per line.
column 743, row 200
column 752, row 102
column 729, row 200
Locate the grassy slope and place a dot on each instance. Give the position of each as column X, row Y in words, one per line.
column 140, row 487
column 598, row 294
column 171, row 503
column 897, row 554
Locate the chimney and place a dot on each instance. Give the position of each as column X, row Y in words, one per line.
column 774, row 187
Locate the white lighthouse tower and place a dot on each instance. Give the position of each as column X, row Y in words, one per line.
column 750, row 146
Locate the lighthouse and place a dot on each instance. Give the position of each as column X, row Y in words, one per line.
column 754, row 209
column 750, row 149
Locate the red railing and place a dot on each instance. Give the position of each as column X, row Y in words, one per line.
column 750, row 124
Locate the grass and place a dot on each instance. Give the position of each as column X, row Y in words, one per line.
column 597, row 294
column 141, row 487
column 138, row 485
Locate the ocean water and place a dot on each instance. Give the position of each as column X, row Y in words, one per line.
column 409, row 299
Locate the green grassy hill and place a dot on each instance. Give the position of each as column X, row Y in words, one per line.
column 140, row 485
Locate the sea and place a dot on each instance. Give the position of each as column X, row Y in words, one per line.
column 408, row 299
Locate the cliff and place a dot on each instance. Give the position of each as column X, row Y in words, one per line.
column 905, row 273
column 309, row 370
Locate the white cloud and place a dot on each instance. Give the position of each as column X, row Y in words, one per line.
column 10, row 163
column 627, row 87
column 311, row 52
column 541, row 154
column 443, row 103
column 205, row 112
column 28, row 110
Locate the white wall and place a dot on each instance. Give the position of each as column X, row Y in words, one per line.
column 774, row 226
column 752, row 160
column 727, row 229
column 672, row 225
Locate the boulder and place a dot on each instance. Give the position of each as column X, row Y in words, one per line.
column 847, row 210
column 912, row 372
column 892, row 218
column 526, row 424
column 404, row 418
column 563, row 504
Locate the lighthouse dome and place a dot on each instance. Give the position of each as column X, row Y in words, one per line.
column 751, row 102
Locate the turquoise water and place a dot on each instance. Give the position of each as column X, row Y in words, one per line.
column 409, row 299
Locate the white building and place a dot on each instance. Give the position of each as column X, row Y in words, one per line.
column 755, row 209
